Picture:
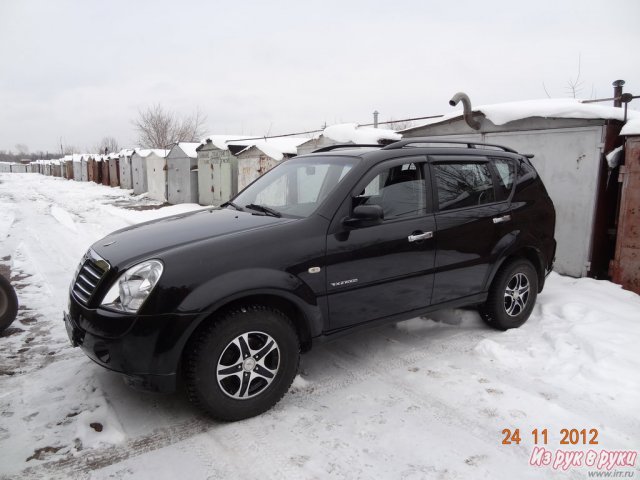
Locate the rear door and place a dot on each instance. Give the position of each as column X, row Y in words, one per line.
column 385, row 269
column 472, row 217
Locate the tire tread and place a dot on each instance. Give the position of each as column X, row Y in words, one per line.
column 195, row 349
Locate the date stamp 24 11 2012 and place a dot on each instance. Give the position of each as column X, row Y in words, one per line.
column 565, row 457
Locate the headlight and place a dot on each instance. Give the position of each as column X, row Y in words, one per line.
column 133, row 287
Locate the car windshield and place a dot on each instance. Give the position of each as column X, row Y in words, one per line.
column 295, row 188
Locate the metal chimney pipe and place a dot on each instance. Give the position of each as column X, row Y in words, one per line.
column 617, row 93
column 375, row 119
column 467, row 113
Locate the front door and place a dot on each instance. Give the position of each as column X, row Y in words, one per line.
column 385, row 269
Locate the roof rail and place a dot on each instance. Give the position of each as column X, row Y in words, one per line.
column 346, row 145
column 410, row 141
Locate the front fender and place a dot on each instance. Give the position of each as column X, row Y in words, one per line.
column 224, row 289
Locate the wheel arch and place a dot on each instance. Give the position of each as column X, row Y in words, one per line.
column 530, row 253
column 305, row 318
column 290, row 308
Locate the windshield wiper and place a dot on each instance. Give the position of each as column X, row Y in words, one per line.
column 226, row 204
column 264, row 209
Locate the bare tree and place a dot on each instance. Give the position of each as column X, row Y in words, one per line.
column 107, row 144
column 158, row 128
column 67, row 149
column 575, row 86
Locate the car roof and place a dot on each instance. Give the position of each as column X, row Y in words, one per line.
column 374, row 155
column 418, row 146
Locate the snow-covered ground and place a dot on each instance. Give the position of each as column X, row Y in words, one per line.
column 425, row 398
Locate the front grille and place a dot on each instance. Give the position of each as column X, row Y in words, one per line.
column 92, row 271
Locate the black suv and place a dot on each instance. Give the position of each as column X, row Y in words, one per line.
column 227, row 298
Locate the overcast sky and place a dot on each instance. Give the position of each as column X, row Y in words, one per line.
column 81, row 70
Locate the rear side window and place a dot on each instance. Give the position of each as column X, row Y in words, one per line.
column 463, row 185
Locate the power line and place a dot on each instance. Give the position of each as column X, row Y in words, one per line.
column 321, row 130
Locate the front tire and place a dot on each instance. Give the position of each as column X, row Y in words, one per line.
column 512, row 295
column 243, row 363
column 8, row 303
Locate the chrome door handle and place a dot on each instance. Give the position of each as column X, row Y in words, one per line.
column 420, row 236
column 502, row 219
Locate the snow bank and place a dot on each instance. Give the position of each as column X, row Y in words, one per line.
column 351, row 132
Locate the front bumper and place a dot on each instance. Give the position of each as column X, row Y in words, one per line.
column 147, row 353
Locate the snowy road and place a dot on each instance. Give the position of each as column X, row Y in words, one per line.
column 426, row 398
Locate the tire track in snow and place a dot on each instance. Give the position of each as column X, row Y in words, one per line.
column 252, row 439
column 83, row 464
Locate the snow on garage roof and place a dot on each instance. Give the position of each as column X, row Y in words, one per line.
column 632, row 127
column 145, row 152
column 220, row 141
column 501, row 113
column 189, row 148
column 126, row 152
column 276, row 148
column 351, row 132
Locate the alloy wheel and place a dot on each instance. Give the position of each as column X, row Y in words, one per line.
column 516, row 294
column 248, row 365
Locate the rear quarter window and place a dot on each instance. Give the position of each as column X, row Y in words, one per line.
column 506, row 174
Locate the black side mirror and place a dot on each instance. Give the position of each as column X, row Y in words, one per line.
column 364, row 216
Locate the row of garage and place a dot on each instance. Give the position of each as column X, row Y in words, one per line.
column 208, row 173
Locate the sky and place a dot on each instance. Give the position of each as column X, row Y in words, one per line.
column 75, row 71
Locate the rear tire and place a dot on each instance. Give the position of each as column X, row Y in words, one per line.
column 243, row 363
column 512, row 295
column 8, row 303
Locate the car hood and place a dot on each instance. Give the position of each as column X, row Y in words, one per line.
column 147, row 240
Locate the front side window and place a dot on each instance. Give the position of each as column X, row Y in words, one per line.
column 400, row 191
column 463, row 185
column 296, row 188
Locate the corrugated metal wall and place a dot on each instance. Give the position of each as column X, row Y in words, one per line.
column 217, row 175
column 626, row 265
